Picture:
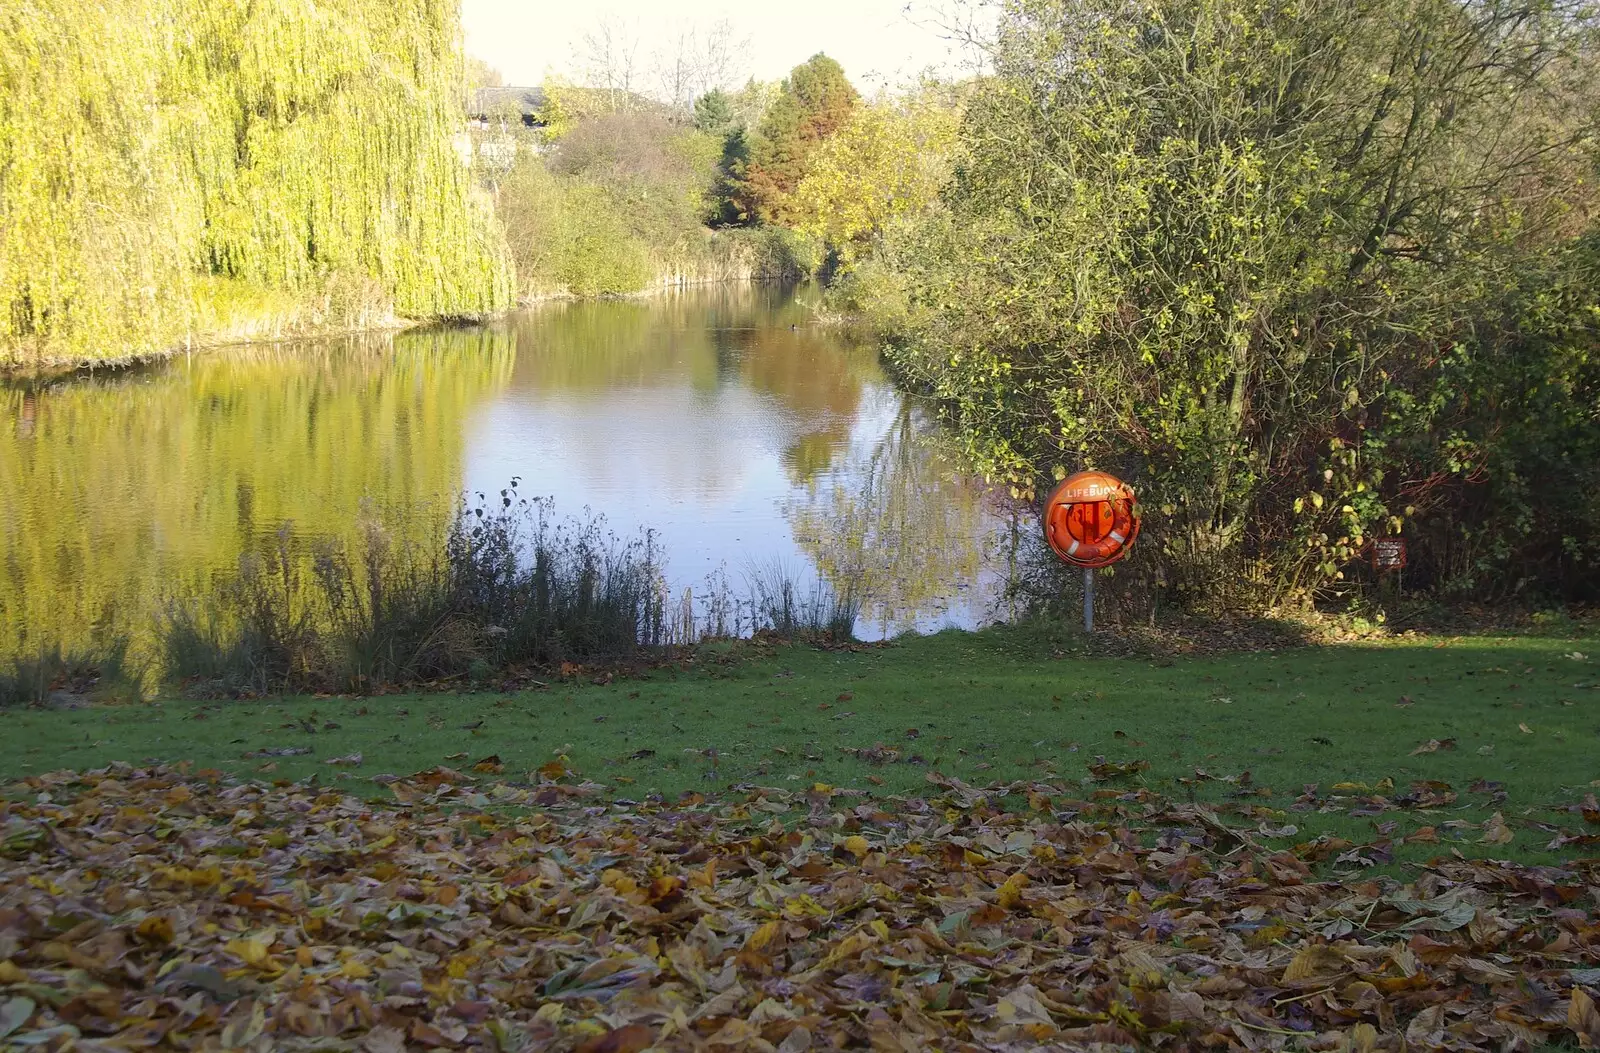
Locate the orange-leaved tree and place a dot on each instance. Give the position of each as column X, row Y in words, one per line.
column 815, row 101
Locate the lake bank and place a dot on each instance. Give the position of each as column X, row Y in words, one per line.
column 1426, row 732
column 716, row 418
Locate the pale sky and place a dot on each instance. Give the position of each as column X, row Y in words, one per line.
column 877, row 41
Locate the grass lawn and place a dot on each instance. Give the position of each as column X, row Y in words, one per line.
column 1517, row 719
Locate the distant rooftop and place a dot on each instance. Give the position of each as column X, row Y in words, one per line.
column 505, row 102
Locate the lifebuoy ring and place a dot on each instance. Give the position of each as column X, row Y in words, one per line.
column 1091, row 519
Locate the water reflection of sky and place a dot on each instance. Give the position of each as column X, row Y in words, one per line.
column 713, row 440
column 723, row 419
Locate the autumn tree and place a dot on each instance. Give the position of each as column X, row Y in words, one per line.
column 889, row 160
column 813, row 103
column 480, row 74
column 1256, row 256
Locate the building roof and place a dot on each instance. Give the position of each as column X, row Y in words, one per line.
column 524, row 102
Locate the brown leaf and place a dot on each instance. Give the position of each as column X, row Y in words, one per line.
column 384, row 1040
column 1584, row 1019
column 629, row 1039
column 1496, row 832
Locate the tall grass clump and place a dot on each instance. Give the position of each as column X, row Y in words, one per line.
column 155, row 154
column 56, row 675
column 510, row 586
column 779, row 605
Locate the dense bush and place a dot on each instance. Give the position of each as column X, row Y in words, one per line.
column 620, row 204
column 1306, row 274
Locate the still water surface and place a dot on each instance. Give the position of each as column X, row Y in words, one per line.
column 725, row 421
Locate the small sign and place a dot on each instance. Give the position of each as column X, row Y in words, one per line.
column 1389, row 553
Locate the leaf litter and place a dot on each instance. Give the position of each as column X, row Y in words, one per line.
column 163, row 908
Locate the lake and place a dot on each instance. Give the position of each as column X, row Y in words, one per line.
column 725, row 420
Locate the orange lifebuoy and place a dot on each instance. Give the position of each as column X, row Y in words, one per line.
column 1090, row 519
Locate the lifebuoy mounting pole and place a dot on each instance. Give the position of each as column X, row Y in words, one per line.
column 1090, row 521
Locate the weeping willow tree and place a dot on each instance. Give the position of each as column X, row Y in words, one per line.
column 168, row 165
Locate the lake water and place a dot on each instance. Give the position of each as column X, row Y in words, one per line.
column 726, row 420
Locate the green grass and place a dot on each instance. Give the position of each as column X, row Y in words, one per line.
column 988, row 707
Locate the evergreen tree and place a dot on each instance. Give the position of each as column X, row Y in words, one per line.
column 713, row 113
column 814, row 102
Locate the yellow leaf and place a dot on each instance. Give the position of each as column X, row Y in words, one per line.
column 10, row 974
column 621, row 882
column 857, row 846
column 763, row 936
column 706, row 878
column 155, row 929
column 1010, row 892
column 355, row 969
column 252, row 950
column 849, row 947
column 1363, row 1038
column 1315, row 960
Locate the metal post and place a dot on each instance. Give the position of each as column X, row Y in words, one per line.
column 1088, row 600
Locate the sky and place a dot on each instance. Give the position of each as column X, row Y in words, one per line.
column 879, row 43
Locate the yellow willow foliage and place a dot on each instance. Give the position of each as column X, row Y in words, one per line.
column 119, row 494
column 281, row 144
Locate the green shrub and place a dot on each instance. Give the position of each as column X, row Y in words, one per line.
column 103, row 674
column 1304, row 275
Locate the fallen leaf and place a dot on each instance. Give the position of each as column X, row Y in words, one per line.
column 1496, row 832
column 14, row 1014
column 1584, row 1019
column 383, row 1039
column 629, row 1039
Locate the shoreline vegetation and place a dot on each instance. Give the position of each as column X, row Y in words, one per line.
column 1365, row 311
column 502, row 589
